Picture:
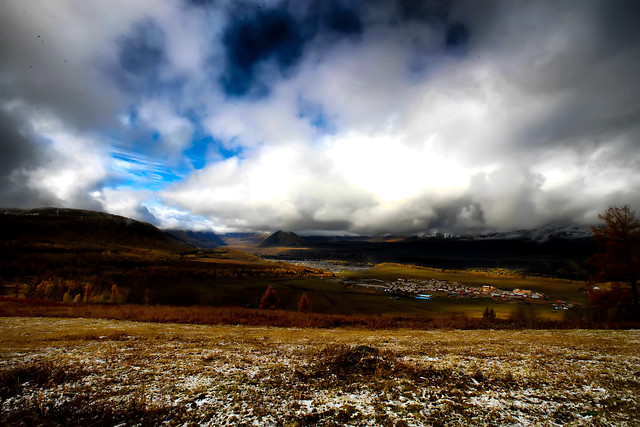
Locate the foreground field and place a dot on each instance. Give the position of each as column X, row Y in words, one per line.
column 93, row 372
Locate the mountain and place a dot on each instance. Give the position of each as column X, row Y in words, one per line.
column 551, row 251
column 543, row 234
column 199, row 239
column 539, row 235
column 285, row 239
column 71, row 229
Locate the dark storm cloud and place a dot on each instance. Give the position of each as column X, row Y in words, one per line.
column 430, row 11
column 592, row 78
column 256, row 37
column 457, row 35
column 271, row 35
column 44, row 65
column 19, row 156
column 534, row 101
column 201, row 3
column 141, row 56
column 456, row 215
column 618, row 25
column 16, row 148
column 339, row 17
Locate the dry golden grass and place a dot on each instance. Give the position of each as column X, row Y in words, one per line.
column 104, row 372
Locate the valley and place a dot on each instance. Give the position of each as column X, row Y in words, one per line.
column 82, row 257
column 108, row 321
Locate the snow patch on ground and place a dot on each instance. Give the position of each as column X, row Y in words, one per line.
column 228, row 375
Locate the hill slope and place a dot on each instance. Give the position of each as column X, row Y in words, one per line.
column 78, row 229
column 199, row 239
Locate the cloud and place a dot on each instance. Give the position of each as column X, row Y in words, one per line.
column 359, row 117
column 19, row 157
column 46, row 164
column 417, row 130
column 126, row 202
column 264, row 36
column 175, row 130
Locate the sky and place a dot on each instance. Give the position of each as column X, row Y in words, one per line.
column 334, row 117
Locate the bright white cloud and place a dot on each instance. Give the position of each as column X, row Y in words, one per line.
column 123, row 201
column 73, row 164
column 386, row 167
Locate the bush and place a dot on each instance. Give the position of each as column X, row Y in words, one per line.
column 348, row 360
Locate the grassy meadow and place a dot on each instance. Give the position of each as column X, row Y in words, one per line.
column 56, row 371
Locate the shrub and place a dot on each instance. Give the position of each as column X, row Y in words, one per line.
column 347, row 360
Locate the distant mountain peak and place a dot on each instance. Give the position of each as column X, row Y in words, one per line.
column 284, row 238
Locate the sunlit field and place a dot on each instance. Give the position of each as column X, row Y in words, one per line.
column 106, row 372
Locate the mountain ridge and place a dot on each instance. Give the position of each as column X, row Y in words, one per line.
column 63, row 227
column 539, row 234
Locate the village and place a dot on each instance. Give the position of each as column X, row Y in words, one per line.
column 457, row 290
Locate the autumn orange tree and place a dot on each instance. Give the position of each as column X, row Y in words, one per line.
column 304, row 306
column 618, row 256
column 270, row 300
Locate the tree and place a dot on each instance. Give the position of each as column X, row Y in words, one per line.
column 618, row 256
column 489, row 314
column 270, row 300
column 303, row 305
